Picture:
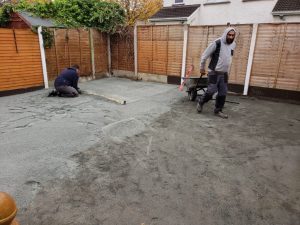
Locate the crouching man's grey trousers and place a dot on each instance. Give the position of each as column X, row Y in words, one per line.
column 67, row 91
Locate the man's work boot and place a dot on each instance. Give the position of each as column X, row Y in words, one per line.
column 199, row 107
column 221, row 114
column 52, row 93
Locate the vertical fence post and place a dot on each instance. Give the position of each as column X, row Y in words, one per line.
column 55, row 48
column 167, row 63
column 184, row 50
column 135, row 46
column 109, row 54
column 43, row 57
column 91, row 33
column 250, row 58
column 152, row 49
column 68, row 46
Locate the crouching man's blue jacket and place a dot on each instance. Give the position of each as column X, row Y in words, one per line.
column 68, row 77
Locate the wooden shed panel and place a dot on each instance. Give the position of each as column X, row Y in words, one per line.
column 20, row 60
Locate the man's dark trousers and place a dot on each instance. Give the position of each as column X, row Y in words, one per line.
column 217, row 82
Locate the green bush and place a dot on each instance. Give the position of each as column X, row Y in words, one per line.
column 105, row 16
column 5, row 12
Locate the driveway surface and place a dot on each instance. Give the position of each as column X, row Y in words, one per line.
column 155, row 160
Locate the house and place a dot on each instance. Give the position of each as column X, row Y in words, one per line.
column 220, row 12
column 267, row 44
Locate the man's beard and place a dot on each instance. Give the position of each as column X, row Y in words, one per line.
column 229, row 41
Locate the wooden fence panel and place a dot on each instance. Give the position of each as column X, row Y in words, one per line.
column 160, row 49
column 85, row 53
column 71, row 46
column 276, row 57
column 197, row 42
column 62, row 49
column 288, row 76
column 266, row 55
column 201, row 36
column 122, row 49
column 145, row 49
column 114, row 52
column 74, row 48
column 52, row 61
column 175, row 46
column 241, row 54
column 100, row 52
column 20, row 60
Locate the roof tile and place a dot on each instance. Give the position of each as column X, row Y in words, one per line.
column 287, row 5
column 175, row 11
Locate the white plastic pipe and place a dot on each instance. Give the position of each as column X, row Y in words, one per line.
column 250, row 58
column 43, row 57
column 91, row 33
column 135, row 52
column 184, row 51
column 109, row 55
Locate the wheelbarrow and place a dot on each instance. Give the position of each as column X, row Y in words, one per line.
column 193, row 84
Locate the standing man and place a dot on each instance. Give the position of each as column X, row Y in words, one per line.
column 66, row 84
column 220, row 51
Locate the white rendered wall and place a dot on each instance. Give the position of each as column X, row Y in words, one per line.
column 236, row 12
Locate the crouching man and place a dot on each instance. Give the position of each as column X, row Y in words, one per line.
column 66, row 84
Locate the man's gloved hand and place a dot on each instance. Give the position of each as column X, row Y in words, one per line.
column 202, row 71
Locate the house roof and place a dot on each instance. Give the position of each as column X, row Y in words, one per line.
column 175, row 12
column 35, row 21
column 286, row 7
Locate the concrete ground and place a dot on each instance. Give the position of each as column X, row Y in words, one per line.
column 91, row 161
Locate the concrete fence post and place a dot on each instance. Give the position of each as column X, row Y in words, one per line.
column 250, row 58
column 184, row 50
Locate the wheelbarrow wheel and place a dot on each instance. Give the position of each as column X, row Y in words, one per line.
column 192, row 95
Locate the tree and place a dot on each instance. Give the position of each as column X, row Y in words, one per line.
column 139, row 9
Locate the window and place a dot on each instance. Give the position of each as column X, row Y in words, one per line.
column 210, row 2
column 178, row 1
column 251, row 0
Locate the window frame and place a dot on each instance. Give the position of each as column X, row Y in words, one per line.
column 216, row 2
